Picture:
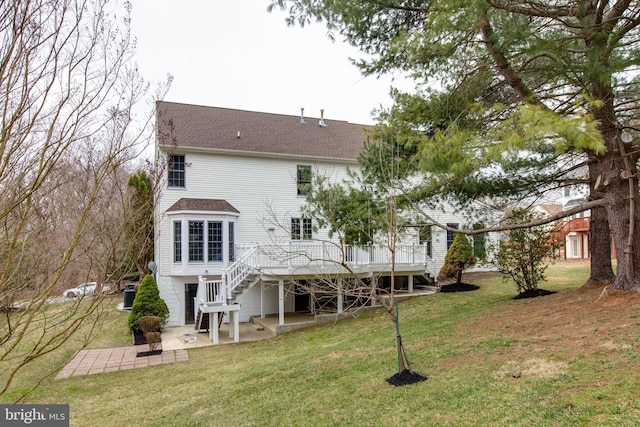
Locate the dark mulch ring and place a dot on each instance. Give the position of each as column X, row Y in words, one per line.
column 405, row 377
column 148, row 353
column 458, row 287
column 532, row 293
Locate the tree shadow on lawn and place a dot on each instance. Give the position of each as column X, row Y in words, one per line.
column 533, row 293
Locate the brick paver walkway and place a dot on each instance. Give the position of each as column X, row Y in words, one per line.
column 87, row 362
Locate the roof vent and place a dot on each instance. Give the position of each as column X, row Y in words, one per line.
column 321, row 122
column 302, row 115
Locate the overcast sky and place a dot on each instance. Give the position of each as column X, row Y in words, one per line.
column 234, row 54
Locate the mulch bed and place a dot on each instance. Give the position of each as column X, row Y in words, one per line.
column 405, row 377
column 458, row 287
column 140, row 339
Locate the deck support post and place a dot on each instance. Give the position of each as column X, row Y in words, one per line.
column 281, row 302
column 233, row 311
column 374, row 285
column 340, row 294
column 262, row 313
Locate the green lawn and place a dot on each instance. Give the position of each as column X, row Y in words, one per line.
column 490, row 360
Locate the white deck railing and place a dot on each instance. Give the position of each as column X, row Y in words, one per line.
column 211, row 291
column 237, row 272
column 328, row 254
column 273, row 257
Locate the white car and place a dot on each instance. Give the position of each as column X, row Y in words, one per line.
column 81, row 290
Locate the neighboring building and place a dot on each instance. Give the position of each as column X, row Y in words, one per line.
column 230, row 234
column 573, row 231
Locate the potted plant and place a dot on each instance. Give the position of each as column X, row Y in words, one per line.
column 146, row 303
column 150, row 326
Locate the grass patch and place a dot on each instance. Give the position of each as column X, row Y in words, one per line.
column 105, row 327
column 561, row 360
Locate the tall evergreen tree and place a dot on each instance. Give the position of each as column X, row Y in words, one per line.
column 534, row 81
column 139, row 224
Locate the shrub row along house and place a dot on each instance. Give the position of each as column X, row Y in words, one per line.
column 230, row 235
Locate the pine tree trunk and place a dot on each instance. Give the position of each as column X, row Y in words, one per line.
column 599, row 235
column 619, row 162
column 621, row 200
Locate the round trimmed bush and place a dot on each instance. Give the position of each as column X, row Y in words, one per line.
column 147, row 303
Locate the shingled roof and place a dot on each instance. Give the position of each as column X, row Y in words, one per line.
column 184, row 125
column 214, row 205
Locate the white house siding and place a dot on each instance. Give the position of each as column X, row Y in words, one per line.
column 252, row 185
column 446, row 216
column 252, row 299
column 173, row 294
column 257, row 187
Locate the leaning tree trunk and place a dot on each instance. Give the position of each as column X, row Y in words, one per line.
column 599, row 235
column 620, row 189
column 619, row 171
column 622, row 210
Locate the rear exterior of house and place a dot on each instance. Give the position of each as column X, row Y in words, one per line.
column 230, row 234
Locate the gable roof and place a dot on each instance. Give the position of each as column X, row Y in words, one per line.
column 550, row 208
column 213, row 205
column 194, row 126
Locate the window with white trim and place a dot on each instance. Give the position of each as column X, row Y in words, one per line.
column 202, row 240
column 214, row 241
column 426, row 239
column 451, row 234
column 232, row 241
column 479, row 243
column 301, row 229
column 177, row 241
column 176, row 176
column 196, row 241
column 303, row 179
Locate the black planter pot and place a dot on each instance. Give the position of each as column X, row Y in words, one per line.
column 138, row 338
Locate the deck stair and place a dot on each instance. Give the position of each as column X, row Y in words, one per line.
column 424, row 281
column 202, row 321
column 246, row 284
column 238, row 277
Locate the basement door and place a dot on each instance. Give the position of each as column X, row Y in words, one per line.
column 190, row 291
column 302, row 299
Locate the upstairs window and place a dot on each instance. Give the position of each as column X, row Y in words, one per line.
column 479, row 243
column 301, row 229
column 425, row 239
column 451, row 234
column 176, row 171
column 303, row 179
